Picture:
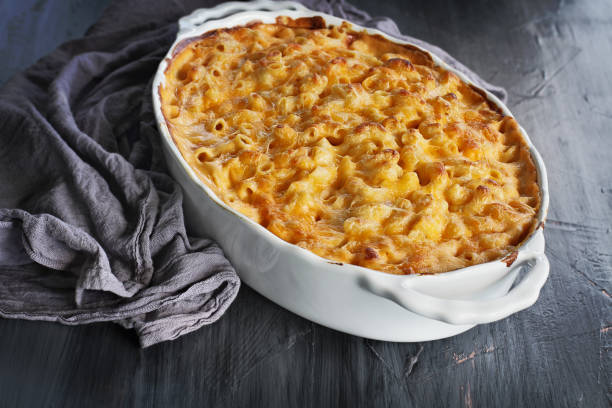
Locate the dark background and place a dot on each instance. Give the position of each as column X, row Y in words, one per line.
column 554, row 58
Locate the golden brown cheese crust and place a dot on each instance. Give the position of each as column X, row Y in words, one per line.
column 356, row 148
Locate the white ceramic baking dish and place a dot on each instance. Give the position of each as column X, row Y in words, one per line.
column 346, row 297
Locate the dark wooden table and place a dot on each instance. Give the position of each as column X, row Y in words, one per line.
column 555, row 59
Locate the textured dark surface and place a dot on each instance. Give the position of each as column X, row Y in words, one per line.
column 554, row 59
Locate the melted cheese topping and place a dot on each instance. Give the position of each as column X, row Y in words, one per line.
column 353, row 147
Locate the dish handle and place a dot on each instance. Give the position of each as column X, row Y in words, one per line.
column 200, row 16
column 466, row 312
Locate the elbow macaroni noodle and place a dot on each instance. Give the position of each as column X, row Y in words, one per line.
column 353, row 147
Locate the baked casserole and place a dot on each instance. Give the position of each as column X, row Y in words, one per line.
column 351, row 146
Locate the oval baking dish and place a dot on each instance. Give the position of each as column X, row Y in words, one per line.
column 347, row 297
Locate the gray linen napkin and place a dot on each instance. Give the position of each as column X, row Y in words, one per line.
column 91, row 226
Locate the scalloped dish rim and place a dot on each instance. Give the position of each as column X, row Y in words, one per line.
column 257, row 15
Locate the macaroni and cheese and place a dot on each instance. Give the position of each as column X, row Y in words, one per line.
column 351, row 146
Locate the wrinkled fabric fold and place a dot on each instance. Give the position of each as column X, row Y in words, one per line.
column 86, row 199
column 91, row 225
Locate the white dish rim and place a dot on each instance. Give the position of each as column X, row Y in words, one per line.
column 296, row 10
